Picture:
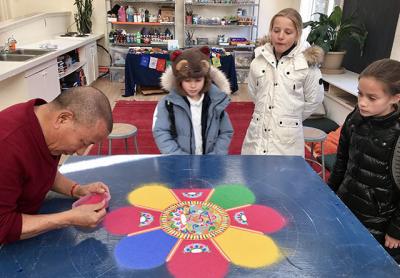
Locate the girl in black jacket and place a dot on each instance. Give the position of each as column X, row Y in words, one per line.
column 362, row 175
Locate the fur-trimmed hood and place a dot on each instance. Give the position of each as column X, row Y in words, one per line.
column 313, row 54
column 168, row 80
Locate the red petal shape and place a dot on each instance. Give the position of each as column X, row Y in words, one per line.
column 259, row 218
column 126, row 220
column 210, row 263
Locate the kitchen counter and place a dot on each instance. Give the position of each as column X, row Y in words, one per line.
column 64, row 45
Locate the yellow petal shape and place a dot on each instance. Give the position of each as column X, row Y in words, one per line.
column 248, row 249
column 153, row 196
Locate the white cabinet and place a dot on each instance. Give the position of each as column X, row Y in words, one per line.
column 341, row 97
column 78, row 67
column 42, row 81
column 91, row 68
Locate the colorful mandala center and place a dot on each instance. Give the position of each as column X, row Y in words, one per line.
column 194, row 220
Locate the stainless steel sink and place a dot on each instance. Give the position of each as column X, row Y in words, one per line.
column 5, row 57
column 24, row 51
column 22, row 54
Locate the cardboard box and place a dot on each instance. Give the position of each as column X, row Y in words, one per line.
column 149, row 90
column 167, row 14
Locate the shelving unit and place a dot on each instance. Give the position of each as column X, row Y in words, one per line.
column 71, row 69
column 214, row 24
column 119, row 48
column 209, row 15
column 133, row 27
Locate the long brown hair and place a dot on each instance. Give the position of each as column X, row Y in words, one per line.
column 387, row 71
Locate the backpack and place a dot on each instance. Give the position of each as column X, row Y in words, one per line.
column 170, row 109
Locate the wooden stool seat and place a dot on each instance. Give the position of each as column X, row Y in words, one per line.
column 122, row 131
column 315, row 135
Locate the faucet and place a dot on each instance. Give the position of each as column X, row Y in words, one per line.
column 4, row 48
column 9, row 45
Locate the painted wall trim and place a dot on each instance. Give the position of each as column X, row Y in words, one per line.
column 23, row 20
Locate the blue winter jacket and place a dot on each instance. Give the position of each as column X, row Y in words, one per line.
column 217, row 133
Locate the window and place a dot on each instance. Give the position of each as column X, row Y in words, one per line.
column 308, row 8
column 4, row 10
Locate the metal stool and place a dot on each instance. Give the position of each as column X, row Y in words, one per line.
column 315, row 135
column 121, row 131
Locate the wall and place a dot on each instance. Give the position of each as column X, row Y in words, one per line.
column 21, row 7
column 269, row 8
column 396, row 44
column 45, row 27
column 381, row 25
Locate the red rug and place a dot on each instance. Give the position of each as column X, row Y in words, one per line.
column 140, row 114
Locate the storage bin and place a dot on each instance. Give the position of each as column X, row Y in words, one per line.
column 241, row 75
column 117, row 74
column 118, row 55
column 243, row 58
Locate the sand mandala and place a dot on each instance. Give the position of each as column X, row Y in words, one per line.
column 191, row 230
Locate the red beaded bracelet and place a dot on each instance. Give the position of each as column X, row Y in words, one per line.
column 73, row 188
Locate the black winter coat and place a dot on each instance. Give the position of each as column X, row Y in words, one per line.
column 362, row 175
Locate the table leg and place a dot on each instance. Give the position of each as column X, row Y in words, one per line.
column 109, row 146
column 100, row 146
column 135, row 142
column 323, row 161
column 126, row 145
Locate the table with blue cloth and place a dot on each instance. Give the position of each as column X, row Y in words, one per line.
column 203, row 216
column 136, row 74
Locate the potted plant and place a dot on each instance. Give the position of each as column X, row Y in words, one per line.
column 83, row 16
column 331, row 32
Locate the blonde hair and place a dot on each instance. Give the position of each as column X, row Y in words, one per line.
column 386, row 71
column 294, row 16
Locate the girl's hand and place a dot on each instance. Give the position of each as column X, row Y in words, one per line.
column 96, row 187
column 391, row 242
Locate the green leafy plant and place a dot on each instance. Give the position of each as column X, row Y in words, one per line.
column 83, row 16
column 330, row 32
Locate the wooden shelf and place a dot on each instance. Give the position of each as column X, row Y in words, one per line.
column 72, row 69
column 144, row 23
column 149, row 1
column 159, row 45
column 218, row 26
column 249, row 4
column 347, row 81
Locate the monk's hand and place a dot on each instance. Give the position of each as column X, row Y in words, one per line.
column 391, row 242
column 87, row 215
column 95, row 187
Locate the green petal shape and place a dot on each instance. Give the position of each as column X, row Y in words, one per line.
column 232, row 195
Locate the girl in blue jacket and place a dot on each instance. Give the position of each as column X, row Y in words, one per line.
column 191, row 119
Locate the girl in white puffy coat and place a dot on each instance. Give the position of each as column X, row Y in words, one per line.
column 286, row 86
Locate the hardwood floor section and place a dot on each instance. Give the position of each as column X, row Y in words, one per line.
column 115, row 90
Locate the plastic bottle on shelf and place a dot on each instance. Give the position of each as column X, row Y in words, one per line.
column 121, row 14
column 130, row 14
column 142, row 16
column 138, row 37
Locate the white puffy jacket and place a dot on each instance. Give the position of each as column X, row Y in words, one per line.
column 285, row 93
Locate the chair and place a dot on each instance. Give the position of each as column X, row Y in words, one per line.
column 315, row 135
column 121, row 131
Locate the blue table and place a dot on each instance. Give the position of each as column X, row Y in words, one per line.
column 321, row 239
column 136, row 74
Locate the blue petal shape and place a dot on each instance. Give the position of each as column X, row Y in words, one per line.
column 144, row 251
